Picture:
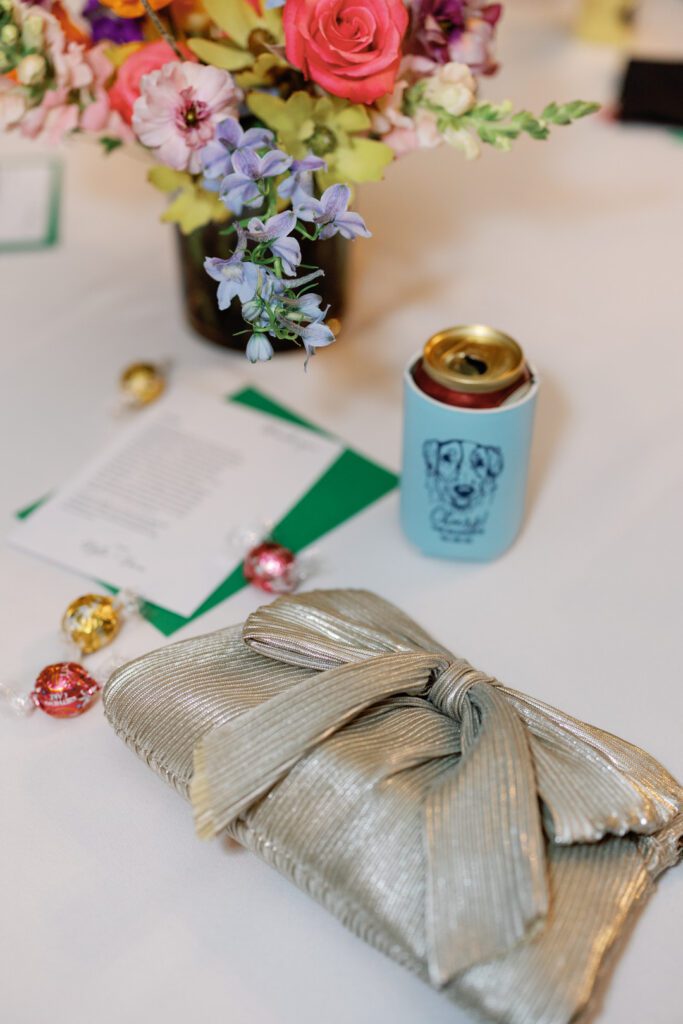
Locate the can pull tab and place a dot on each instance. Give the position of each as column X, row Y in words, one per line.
column 469, row 365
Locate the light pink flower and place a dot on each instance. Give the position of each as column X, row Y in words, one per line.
column 149, row 57
column 178, row 109
column 73, row 89
column 475, row 47
column 12, row 104
column 79, row 98
column 403, row 133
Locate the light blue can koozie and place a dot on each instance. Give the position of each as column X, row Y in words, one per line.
column 464, row 476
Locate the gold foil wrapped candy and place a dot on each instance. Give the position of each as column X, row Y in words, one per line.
column 486, row 840
column 92, row 621
column 143, row 383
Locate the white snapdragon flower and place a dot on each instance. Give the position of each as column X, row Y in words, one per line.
column 464, row 140
column 453, row 88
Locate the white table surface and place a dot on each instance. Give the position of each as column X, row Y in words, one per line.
column 111, row 909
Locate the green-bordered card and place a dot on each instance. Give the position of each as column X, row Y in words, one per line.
column 169, row 470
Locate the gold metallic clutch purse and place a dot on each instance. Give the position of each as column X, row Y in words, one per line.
column 483, row 839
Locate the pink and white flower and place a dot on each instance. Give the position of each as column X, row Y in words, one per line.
column 79, row 98
column 179, row 108
column 60, row 86
column 403, row 133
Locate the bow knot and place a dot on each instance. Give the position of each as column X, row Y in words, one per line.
column 450, row 690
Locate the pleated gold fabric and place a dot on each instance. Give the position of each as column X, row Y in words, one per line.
column 489, row 842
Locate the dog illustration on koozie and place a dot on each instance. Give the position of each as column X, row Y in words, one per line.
column 462, row 478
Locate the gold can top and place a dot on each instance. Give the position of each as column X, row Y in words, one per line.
column 473, row 358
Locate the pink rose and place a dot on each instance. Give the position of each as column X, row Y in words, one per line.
column 351, row 49
column 126, row 88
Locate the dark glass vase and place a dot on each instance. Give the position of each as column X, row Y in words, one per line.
column 224, row 327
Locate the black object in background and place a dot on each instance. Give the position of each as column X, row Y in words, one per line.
column 652, row 92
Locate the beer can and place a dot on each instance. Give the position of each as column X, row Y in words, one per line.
column 470, row 399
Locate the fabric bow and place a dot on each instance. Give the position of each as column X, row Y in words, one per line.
column 527, row 773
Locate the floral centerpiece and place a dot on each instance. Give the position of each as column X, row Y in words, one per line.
column 261, row 116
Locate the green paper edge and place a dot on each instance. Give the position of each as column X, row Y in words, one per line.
column 351, row 484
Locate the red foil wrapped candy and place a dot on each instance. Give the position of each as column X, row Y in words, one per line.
column 272, row 567
column 64, row 690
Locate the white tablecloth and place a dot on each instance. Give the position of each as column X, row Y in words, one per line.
column 111, row 909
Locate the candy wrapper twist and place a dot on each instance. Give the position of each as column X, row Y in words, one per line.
column 482, row 838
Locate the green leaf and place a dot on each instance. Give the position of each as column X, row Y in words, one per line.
column 526, row 122
column 487, row 112
column 498, row 126
column 109, row 144
column 221, row 55
column 168, row 180
column 565, row 113
column 537, row 131
column 493, row 136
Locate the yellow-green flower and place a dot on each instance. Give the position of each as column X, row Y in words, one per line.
column 248, row 34
column 192, row 206
column 268, row 72
column 329, row 127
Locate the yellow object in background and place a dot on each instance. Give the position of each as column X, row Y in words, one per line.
column 607, row 21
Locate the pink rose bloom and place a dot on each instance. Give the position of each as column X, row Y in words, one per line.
column 351, row 49
column 126, row 88
column 178, row 109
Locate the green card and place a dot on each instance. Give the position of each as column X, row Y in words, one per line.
column 350, row 484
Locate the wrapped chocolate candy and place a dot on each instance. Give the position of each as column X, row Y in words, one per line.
column 143, row 383
column 486, row 840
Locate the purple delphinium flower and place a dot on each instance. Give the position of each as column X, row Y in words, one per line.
column 275, row 233
column 316, row 335
column 298, row 185
column 304, row 316
column 259, row 348
column 306, row 307
column 235, row 277
column 330, row 214
column 106, row 26
column 241, row 188
column 230, row 136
